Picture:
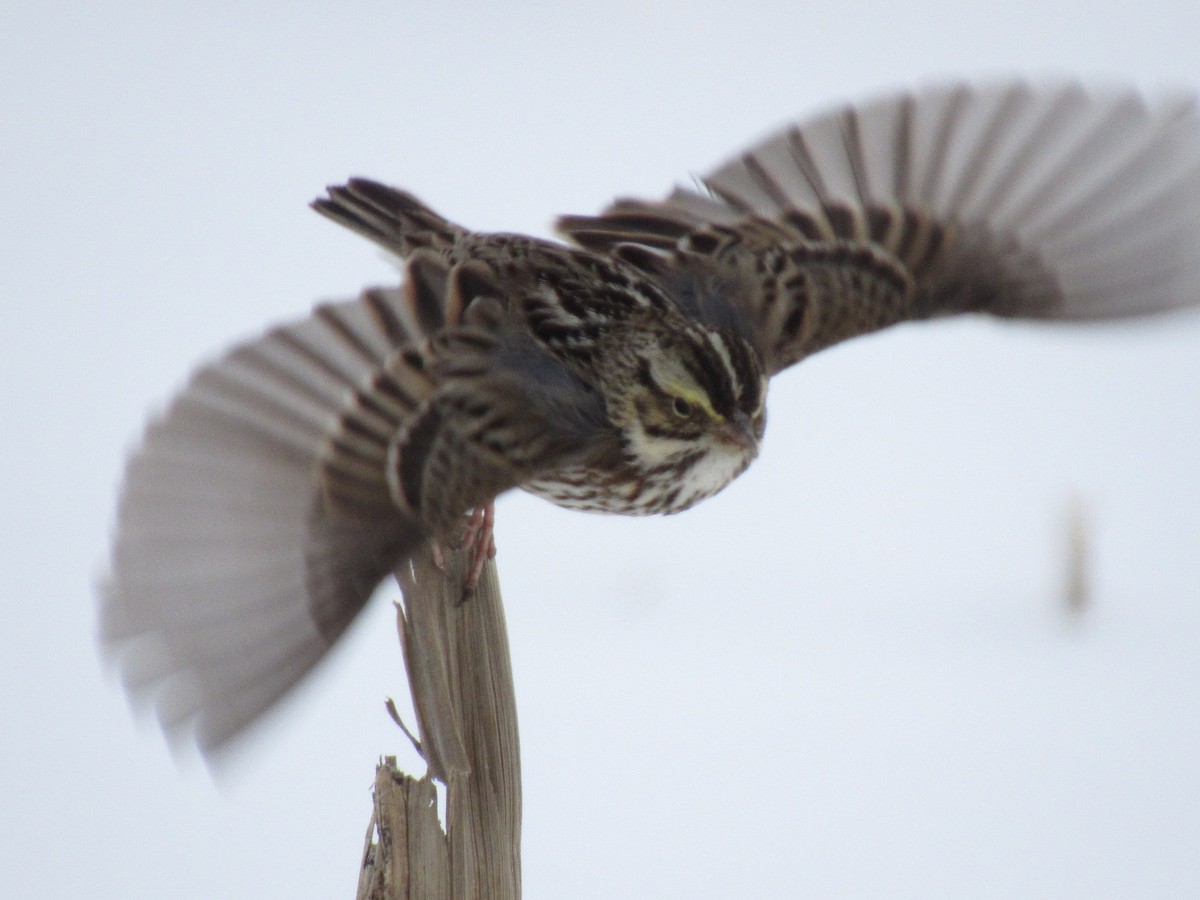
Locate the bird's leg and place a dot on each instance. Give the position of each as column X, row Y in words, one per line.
column 478, row 535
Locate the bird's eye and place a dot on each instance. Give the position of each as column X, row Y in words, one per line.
column 682, row 408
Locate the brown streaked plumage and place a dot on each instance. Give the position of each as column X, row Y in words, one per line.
column 625, row 374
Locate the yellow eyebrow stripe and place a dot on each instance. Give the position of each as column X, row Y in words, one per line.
column 696, row 397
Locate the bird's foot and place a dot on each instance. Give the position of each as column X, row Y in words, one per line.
column 479, row 539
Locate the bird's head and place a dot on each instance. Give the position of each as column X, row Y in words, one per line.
column 690, row 404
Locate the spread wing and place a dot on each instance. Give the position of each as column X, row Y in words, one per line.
column 1019, row 201
column 295, row 472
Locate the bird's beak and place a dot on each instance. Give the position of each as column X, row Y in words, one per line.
column 738, row 431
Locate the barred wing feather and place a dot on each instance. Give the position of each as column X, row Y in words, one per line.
column 230, row 577
column 1045, row 202
column 1103, row 186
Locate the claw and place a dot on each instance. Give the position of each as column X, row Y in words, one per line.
column 439, row 555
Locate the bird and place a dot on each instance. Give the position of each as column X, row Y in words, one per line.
column 623, row 369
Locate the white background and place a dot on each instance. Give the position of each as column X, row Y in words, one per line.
column 852, row 674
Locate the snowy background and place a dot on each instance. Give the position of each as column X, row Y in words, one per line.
column 851, row 675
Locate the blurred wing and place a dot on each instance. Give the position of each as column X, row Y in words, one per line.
column 1020, row 201
column 294, row 473
column 230, row 576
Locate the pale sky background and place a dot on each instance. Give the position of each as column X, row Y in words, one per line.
column 851, row 675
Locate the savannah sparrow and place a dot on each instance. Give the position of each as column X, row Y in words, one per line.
column 626, row 373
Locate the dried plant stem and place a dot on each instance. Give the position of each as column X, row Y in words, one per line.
column 456, row 655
